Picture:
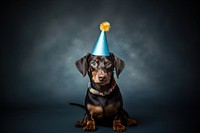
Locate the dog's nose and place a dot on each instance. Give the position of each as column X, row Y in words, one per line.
column 101, row 77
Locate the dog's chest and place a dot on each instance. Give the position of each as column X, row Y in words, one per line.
column 103, row 111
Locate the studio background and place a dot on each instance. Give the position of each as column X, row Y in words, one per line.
column 40, row 42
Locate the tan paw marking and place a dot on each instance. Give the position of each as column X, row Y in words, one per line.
column 117, row 126
column 131, row 122
column 90, row 126
column 80, row 124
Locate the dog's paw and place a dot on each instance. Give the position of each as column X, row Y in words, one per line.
column 117, row 126
column 80, row 124
column 90, row 126
column 131, row 122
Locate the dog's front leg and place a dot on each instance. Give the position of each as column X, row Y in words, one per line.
column 90, row 124
column 117, row 124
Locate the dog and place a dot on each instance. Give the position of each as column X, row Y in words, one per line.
column 103, row 101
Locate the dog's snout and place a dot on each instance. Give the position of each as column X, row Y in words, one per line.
column 102, row 77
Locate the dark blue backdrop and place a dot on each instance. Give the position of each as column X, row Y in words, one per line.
column 40, row 41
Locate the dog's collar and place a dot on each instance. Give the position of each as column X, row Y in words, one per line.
column 96, row 92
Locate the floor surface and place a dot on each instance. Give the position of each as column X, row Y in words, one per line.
column 153, row 120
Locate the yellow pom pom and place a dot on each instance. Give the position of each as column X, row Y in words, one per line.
column 105, row 26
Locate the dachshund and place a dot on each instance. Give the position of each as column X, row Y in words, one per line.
column 103, row 101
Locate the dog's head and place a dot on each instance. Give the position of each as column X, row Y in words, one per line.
column 100, row 68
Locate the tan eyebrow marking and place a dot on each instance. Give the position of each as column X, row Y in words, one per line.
column 106, row 60
column 96, row 60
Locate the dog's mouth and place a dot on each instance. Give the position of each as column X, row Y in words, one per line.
column 101, row 83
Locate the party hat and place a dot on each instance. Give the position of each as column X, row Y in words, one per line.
column 101, row 46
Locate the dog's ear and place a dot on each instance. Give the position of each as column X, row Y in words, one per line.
column 119, row 64
column 82, row 64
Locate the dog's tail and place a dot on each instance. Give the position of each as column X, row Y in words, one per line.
column 79, row 105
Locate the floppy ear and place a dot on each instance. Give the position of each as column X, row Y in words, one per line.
column 82, row 64
column 119, row 65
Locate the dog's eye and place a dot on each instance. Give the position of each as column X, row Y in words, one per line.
column 93, row 64
column 108, row 64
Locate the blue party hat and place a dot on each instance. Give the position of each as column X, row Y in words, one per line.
column 101, row 46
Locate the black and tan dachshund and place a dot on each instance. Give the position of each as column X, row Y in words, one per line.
column 103, row 102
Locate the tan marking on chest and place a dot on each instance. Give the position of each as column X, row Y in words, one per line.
column 111, row 109
column 95, row 111
column 99, row 111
